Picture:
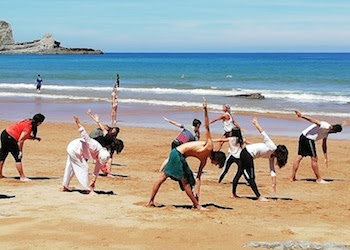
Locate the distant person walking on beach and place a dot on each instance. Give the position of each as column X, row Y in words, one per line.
column 188, row 133
column 178, row 169
column 80, row 150
column 39, row 81
column 12, row 141
column 117, row 82
column 227, row 121
column 268, row 150
column 317, row 131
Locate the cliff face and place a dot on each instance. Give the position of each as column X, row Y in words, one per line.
column 45, row 45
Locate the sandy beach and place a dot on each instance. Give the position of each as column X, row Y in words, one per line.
column 36, row 215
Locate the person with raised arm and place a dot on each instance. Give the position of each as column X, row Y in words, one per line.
column 178, row 169
column 319, row 130
column 228, row 122
column 268, row 150
column 79, row 151
column 188, row 133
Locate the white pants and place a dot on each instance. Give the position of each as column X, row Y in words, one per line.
column 76, row 165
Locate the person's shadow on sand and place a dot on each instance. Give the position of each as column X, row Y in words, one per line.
column 191, row 207
column 115, row 175
column 4, row 196
column 314, row 180
column 39, row 178
column 269, row 198
column 99, row 192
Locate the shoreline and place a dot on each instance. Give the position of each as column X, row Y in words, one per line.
column 151, row 116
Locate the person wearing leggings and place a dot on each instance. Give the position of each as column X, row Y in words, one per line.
column 268, row 150
column 12, row 141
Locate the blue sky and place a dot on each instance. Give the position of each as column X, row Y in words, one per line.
column 185, row 25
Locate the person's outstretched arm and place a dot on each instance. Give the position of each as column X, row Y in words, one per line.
column 310, row 119
column 221, row 117
column 206, row 122
column 77, row 121
column 173, row 122
column 257, row 125
column 96, row 118
column 324, row 149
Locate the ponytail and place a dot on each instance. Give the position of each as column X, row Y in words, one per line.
column 38, row 118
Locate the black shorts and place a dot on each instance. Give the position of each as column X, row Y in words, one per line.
column 8, row 145
column 175, row 144
column 306, row 147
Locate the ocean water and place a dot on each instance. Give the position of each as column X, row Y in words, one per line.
column 315, row 83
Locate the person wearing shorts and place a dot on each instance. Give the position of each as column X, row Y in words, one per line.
column 319, row 130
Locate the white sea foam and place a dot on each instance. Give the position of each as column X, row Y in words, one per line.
column 288, row 95
column 213, row 107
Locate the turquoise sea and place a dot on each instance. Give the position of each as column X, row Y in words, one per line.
column 315, row 83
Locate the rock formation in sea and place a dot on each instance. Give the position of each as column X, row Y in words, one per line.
column 45, row 45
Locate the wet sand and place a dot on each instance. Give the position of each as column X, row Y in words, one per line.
column 36, row 215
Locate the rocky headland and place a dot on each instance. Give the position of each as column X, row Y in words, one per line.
column 45, row 45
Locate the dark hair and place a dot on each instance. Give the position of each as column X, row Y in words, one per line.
column 282, row 155
column 219, row 157
column 117, row 146
column 236, row 132
column 38, row 118
column 109, row 129
column 196, row 122
column 337, row 128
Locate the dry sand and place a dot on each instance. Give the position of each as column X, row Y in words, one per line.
column 42, row 217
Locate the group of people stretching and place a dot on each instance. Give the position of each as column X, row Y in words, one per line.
column 101, row 144
column 240, row 151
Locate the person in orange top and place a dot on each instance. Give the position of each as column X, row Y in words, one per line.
column 12, row 140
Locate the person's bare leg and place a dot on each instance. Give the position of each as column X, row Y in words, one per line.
column 114, row 108
column 314, row 166
column 163, row 165
column 19, row 167
column 295, row 167
column 155, row 189
column 109, row 167
column 190, row 194
column 1, row 165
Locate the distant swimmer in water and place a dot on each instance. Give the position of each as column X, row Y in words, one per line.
column 183, row 76
column 228, row 76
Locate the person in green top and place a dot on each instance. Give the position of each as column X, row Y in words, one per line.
column 178, row 169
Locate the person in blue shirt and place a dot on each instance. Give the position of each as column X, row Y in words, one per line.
column 38, row 83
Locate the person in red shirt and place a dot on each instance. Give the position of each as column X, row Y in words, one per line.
column 12, row 140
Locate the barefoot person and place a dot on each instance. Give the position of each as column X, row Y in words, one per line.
column 12, row 141
column 78, row 151
column 227, row 121
column 268, row 150
column 178, row 169
column 236, row 143
column 188, row 133
column 317, row 131
column 107, row 135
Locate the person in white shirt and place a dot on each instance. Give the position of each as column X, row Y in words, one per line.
column 317, row 131
column 228, row 122
column 79, row 150
column 236, row 143
column 268, row 150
